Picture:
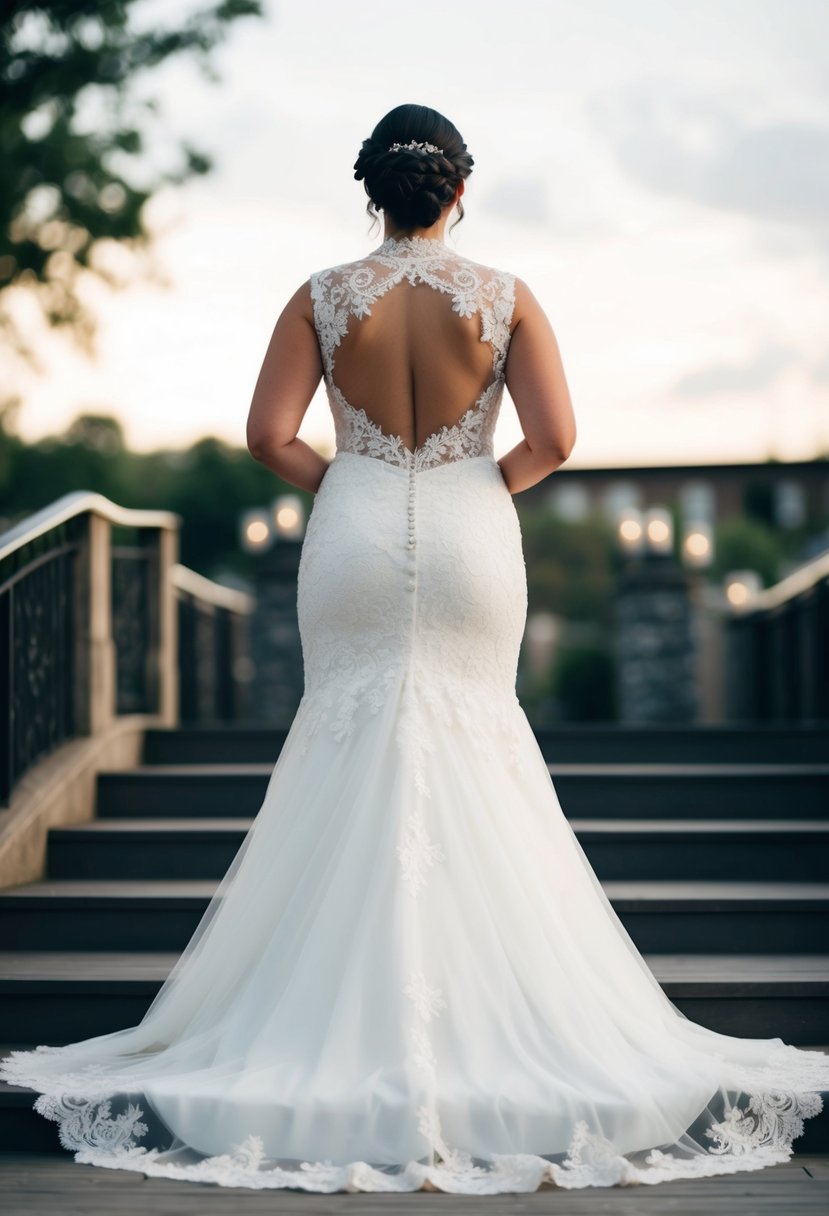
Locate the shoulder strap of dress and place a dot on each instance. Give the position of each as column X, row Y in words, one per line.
column 338, row 292
column 496, row 315
column 331, row 312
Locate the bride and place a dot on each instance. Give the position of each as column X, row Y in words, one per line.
column 410, row 976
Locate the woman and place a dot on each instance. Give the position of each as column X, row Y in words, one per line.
column 410, row 976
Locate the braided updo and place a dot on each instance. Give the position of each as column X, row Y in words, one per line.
column 412, row 186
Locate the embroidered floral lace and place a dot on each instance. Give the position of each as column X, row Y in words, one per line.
column 349, row 291
column 410, row 976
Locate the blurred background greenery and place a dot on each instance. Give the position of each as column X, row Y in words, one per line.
column 573, row 567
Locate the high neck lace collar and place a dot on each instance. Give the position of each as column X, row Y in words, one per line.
column 412, row 244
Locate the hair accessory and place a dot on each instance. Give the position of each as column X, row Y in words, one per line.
column 415, row 146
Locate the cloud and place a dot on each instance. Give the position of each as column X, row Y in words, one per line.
column 751, row 376
column 694, row 148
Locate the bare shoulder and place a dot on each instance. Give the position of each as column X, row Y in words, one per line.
column 527, row 306
column 301, row 303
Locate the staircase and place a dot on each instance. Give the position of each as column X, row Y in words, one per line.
column 711, row 842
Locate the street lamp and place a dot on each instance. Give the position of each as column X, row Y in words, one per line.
column 741, row 587
column 659, row 531
column 255, row 531
column 283, row 520
column 274, row 536
column 288, row 516
column 630, row 531
column 698, row 545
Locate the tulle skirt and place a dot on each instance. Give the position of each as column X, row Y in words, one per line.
column 410, row 976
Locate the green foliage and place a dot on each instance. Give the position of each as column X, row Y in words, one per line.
column 742, row 543
column 72, row 183
column 570, row 566
column 209, row 484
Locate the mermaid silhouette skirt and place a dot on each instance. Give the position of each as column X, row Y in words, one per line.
column 410, row 975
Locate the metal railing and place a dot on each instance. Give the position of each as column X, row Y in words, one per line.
column 215, row 667
column 778, row 650
column 97, row 619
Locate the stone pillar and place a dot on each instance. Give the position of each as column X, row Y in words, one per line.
column 276, row 649
column 94, row 645
column 656, row 642
column 164, row 659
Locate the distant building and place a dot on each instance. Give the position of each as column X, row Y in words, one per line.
column 787, row 494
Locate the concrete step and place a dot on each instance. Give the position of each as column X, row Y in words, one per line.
column 61, row 997
column 661, row 917
column 564, row 743
column 795, row 850
column 595, row 791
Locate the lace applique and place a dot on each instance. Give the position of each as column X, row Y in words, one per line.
column 92, row 1125
column 417, row 852
column 350, row 289
column 427, row 1000
column 752, row 1138
column 337, row 703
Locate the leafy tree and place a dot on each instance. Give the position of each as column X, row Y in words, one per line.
column 743, row 543
column 571, row 567
column 209, row 484
column 71, row 186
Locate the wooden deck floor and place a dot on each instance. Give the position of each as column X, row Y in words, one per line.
column 35, row 1185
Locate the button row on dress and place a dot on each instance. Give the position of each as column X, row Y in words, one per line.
column 411, row 542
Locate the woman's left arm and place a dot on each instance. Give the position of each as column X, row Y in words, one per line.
column 287, row 381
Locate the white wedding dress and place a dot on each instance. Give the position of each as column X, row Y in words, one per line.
column 410, row 975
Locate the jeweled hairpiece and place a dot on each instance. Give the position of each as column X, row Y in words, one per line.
column 414, row 146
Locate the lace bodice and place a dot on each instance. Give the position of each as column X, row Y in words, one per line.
column 344, row 294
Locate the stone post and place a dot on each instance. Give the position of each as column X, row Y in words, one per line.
column 274, row 632
column 656, row 642
column 94, row 645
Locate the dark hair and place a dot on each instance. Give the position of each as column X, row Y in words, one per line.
column 412, row 186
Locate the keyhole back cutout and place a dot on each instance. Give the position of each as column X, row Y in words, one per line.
column 413, row 365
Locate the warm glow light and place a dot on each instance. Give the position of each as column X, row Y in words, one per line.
column 287, row 517
column 630, row 529
column 697, row 544
column 257, row 532
column 658, row 530
column 737, row 593
column 741, row 586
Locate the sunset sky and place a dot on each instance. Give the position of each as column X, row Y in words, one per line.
column 657, row 173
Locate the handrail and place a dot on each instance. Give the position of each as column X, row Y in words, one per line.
column 192, row 583
column 791, row 586
column 93, row 627
column 79, row 502
column 778, row 650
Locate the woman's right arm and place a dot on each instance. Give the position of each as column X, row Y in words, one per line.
column 536, row 382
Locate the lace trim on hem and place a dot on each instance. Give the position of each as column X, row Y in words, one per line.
column 749, row 1138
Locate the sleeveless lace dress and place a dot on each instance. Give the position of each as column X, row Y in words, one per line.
column 410, row 976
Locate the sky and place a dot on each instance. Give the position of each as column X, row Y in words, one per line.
column 658, row 174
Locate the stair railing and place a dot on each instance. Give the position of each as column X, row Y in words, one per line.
column 778, row 650
column 99, row 619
